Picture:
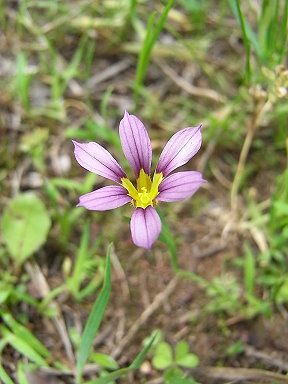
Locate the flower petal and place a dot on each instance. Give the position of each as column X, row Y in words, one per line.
column 135, row 143
column 97, row 159
column 105, row 198
column 180, row 149
column 145, row 227
column 180, row 185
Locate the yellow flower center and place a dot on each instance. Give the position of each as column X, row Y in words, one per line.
column 147, row 190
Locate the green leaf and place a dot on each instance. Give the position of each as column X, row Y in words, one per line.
column 181, row 350
column 25, row 226
column 4, row 376
column 104, row 360
column 188, row 361
column 94, row 320
column 176, row 376
column 235, row 348
column 282, row 293
column 163, row 357
column 4, row 294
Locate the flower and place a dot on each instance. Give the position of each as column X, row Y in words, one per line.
column 148, row 190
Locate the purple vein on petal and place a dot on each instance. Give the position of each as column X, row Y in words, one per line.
column 105, row 198
column 97, row 159
column 180, row 185
column 135, row 143
column 179, row 149
column 145, row 227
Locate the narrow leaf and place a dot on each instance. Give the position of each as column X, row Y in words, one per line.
column 22, row 347
column 4, row 376
column 136, row 363
column 23, row 333
column 21, row 374
column 168, row 239
column 152, row 34
column 94, row 320
column 249, row 271
column 246, row 40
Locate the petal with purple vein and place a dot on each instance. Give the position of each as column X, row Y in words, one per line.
column 97, row 159
column 145, row 227
column 179, row 149
column 135, row 143
column 180, row 185
column 105, row 198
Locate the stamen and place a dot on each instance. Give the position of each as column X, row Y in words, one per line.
column 147, row 189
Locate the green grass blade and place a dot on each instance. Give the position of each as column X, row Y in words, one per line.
column 144, row 56
column 283, row 31
column 249, row 271
column 246, row 40
column 81, row 260
column 23, row 347
column 269, row 37
column 128, row 19
column 4, row 376
column 22, row 80
column 152, row 34
column 160, row 24
column 136, row 363
column 21, row 375
column 168, row 239
column 94, row 320
column 249, row 31
column 111, row 376
column 23, row 333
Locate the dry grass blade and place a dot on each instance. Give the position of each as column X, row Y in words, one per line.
column 40, row 282
column 108, row 73
column 149, row 311
column 268, row 358
column 237, row 375
column 189, row 88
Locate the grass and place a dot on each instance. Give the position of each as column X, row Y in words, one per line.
column 68, row 70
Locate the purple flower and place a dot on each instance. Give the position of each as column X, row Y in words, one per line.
column 148, row 190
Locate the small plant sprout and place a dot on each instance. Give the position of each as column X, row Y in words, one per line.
column 148, row 189
column 173, row 363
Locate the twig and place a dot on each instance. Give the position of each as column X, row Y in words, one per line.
column 189, row 88
column 149, row 311
column 156, row 381
column 109, row 72
column 40, row 282
column 121, row 273
column 268, row 358
column 237, row 374
column 211, row 251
